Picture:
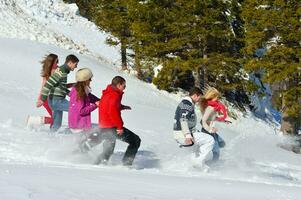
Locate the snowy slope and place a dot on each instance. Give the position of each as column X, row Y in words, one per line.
column 42, row 166
column 36, row 165
column 57, row 23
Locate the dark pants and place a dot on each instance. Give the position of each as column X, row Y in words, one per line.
column 218, row 143
column 109, row 136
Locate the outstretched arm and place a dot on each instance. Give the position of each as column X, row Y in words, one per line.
column 124, row 107
column 88, row 109
column 93, row 98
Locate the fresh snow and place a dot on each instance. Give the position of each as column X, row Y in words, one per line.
column 53, row 22
column 39, row 165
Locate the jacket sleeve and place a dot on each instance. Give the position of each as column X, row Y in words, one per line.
column 70, row 85
column 115, row 114
column 93, row 98
column 209, row 110
column 87, row 109
column 184, row 121
column 184, row 112
column 51, row 82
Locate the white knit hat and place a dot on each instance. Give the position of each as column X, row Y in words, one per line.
column 83, row 74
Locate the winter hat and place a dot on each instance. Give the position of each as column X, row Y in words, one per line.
column 83, row 74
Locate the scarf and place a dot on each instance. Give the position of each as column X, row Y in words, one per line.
column 220, row 108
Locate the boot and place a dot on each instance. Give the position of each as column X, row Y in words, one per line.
column 34, row 122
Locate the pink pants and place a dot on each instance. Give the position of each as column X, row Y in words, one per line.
column 48, row 120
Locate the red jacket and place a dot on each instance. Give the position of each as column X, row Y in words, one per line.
column 110, row 108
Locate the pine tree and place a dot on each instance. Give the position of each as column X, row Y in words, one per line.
column 189, row 36
column 112, row 17
column 275, row 25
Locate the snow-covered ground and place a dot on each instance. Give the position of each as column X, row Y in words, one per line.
column 36, row 165
column 57, row 23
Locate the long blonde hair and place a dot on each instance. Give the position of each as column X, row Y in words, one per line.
column 209, row 94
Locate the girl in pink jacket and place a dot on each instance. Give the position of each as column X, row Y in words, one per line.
column 82, row 102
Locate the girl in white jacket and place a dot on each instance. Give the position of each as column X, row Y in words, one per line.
column 211, row 108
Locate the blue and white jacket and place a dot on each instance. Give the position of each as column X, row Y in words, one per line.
column 185, row 119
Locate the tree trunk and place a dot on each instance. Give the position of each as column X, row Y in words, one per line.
column 203, row 76
column 196, row 76
column 289, row 124
column 138, row 66
column 123, row 56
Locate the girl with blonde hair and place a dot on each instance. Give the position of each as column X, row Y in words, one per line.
column 211, row 110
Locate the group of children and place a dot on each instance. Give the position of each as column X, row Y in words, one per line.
column 110, row 125
column 82, row 102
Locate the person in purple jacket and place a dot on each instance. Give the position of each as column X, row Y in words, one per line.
column 82, row 103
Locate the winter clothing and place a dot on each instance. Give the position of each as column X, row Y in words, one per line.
column 209, row 116
column 218, row 143
column 56, row 85
column 79, row 114
column 109, row 135
column 34, row 122
column 109, row 122
column 83, row 74
column 110, row 108
column 204, row 145
column 58, row 105
column 185, row 127
column 55, row 89
column 48, row 120
column 185, row 117
column 220, row 108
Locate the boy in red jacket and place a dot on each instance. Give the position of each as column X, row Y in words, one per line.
column 111, row 124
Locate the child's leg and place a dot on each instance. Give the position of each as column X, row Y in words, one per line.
column 48, row 120
column 205, row 143
column 109, row 137
column 58, row 106
column 134, row 143
column 57, row 120
column 221, row 141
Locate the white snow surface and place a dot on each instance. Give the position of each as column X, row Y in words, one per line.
column 57, row 23
column 39, row 165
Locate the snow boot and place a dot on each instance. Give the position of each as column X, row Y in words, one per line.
column 34, row 122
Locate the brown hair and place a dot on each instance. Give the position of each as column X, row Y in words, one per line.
column 80, row 88
column 47, row 64
column 209, row 94
column 117, row 80
column 195, row 90
column 71, row 58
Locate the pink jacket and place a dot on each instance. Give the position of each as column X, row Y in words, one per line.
column 79, row 114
